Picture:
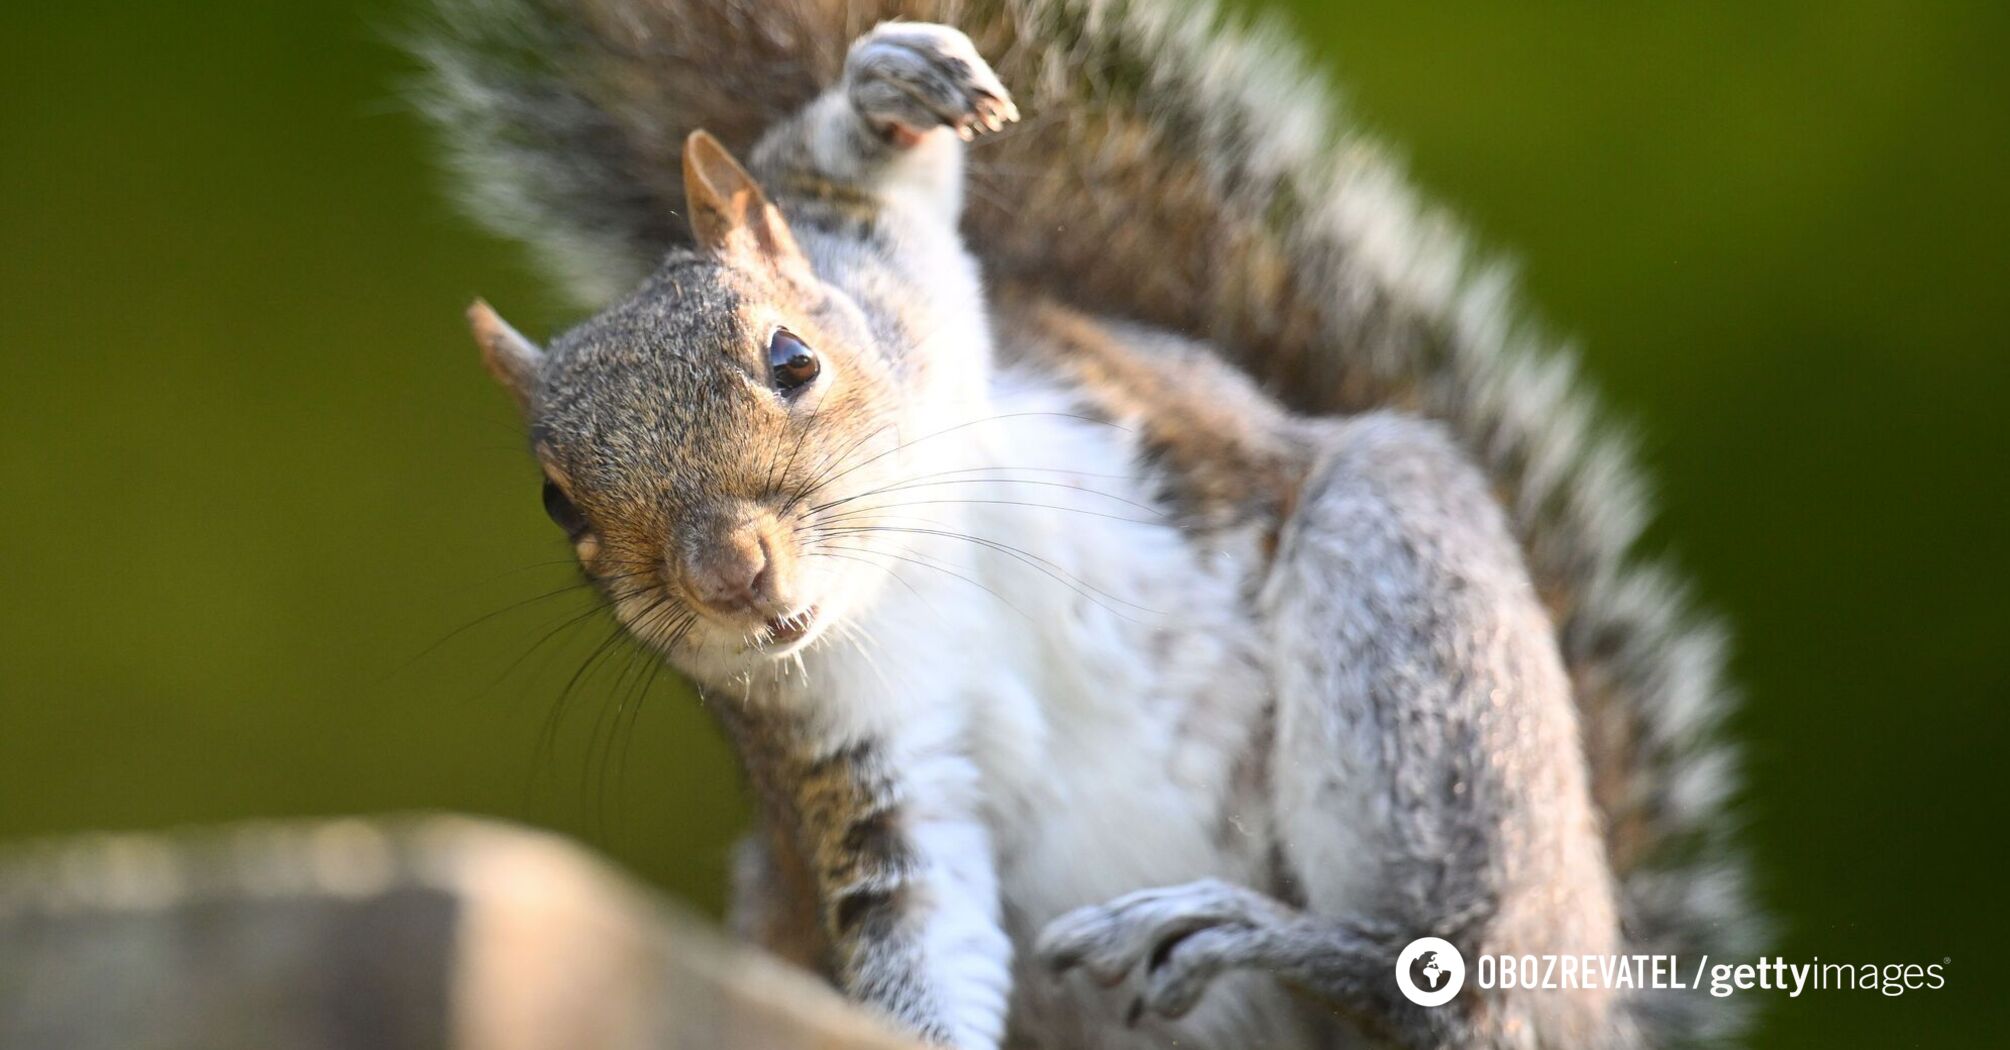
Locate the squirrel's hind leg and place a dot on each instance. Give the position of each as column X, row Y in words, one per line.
column 1427, row 778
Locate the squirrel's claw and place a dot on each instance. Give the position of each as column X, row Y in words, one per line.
column 996, row 111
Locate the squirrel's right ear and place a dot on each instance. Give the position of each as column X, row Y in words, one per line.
column 512, row 359
column 728, row 211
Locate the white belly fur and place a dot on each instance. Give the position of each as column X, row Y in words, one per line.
column 1105, row 689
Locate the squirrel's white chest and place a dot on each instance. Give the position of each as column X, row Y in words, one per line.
column 1104, row 681
column 1116, row 715
column 1111, row 766
column 1102, row 673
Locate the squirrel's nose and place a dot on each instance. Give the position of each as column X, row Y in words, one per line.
column 727, row 573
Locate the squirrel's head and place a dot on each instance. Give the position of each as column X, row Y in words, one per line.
column 705, row 441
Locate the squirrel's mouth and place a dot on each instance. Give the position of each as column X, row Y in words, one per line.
column 783, row 633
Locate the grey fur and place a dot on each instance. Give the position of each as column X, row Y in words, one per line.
column 1418, row 681
column 1187, row 174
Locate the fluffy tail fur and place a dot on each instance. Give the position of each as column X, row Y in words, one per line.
column 1186, row 171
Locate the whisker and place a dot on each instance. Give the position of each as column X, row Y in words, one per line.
column 601, row 743
column 916, row 559
column 569, row 622
column 506, row 573
column 858, row 637
column 548, row 739
column 434, row 646
column 818, row 553
column 953, row 429
column 570, row 588
column 809, row 428
column 860, row 512
column 634, row 718
column 619, row 727
column 912, row 485
column 820, row 476
column 1056, row 572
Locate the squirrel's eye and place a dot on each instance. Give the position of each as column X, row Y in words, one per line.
column 791, row 361
column 562, row 511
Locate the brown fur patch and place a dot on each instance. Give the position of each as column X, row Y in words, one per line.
column 1229, row 455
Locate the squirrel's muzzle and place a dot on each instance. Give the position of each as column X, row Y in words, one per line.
column 739, row 567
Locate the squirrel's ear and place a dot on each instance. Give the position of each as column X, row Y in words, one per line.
column 727, row 208
column 509, row 357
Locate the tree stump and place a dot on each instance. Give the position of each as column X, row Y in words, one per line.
column 421, row 934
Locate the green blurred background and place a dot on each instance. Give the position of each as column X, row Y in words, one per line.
column 254, row 477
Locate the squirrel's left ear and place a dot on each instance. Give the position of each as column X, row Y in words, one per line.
column 512, row 359
column 729, row 213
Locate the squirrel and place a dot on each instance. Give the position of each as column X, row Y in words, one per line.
column 1148, row 572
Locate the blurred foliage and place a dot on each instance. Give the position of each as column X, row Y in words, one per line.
column 273, row 546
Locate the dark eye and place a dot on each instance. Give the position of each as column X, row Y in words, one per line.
column 791, row 362
column 562, row 511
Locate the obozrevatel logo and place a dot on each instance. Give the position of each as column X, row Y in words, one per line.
column 1430, row 971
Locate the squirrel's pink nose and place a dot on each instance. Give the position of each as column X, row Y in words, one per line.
column 727, row 573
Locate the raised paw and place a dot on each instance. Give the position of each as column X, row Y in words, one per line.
column 909, row 78
column 1179, row 936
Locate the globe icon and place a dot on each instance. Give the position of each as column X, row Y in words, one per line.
column 1427, row 973
column 1430, row 971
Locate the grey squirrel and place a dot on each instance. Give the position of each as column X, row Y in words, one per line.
column 1148, row 574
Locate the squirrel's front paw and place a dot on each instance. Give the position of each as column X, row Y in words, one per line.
column 909, row 78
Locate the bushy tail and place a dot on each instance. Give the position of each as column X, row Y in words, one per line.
column 1189, row 172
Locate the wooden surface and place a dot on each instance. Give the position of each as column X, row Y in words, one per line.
column 403, row 935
